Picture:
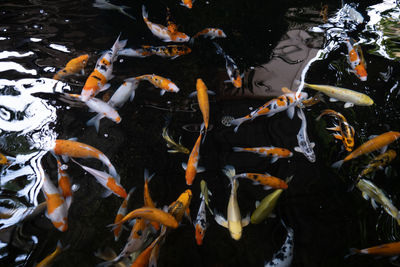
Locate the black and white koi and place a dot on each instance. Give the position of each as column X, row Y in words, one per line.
column 305, row 146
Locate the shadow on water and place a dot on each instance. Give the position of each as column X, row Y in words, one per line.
column 273, row 47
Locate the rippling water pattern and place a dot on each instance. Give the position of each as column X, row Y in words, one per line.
column 316, row 221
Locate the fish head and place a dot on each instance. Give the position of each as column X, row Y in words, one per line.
column 361, row 72
column 87, row 94
column 181, row 37
column 200, row 231
column 237, row 80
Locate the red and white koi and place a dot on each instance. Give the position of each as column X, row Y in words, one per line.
column 200, row 223
column 76, row 149
column 267, row 151
column 267, row 180
column 73, row 66
column 164, row 84
column 287, row 102
column 64, row 183
column 191, row 167
column 122, row 211
column 356, row 60
column 124, row 92
column 163, row 32
column 211, row 33
column 97, row 81
column 233, row 71
column 57, row 210
column 187, row 3
column 106, row 180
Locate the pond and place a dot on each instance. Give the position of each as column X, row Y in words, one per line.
column 321, row 215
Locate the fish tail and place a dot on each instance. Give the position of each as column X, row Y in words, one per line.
column 147, row 177
column 122, row 10
column 118, row 45
column 144, row 13
column 229, row 171
column 337, row 164
column 237, row 122
column 95, row 121
column 237, row 149
column 353, row 251
column 219, row 49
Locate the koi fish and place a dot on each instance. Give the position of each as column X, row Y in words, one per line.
column 346, row 95
column 151, row 214
column 378, row 142
column 371, row 191
column 356, row 60
column 284, row 256
column 124, row 92
column 168, row 51
column 234, row 221
column 76, row 149
column 123, row 209
column 267, row 180
column 389, row 249
column 164, row 84
column 64, row 183
column 206, row 193
column 287, row 102
column 108, row 254
column 57, row 210
column 103, row 109
column 104, row 4
column 97, row 80
column 233, row 71
column 318, row 97
column 343, row 131
column 191, row 167
column 3, row 160
column 378, row 162
column 202, row 98
column 180, row 207
column 73, row 66
column 187, row 3
column 175, row 147
column 144, row 257
column 267, row 205
column 48, row 260
column 267, row 151
column 211, row 33
column 305, row 146
column 200, row 224
column 148, row 202
column 163, row 32
column 106, row 180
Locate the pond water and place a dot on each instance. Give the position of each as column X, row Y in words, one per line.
column 274, row 47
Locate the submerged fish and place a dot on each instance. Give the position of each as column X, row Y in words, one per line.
column 211, row 33
column 123, row 209
column 164, row 84
column 151, row 214
column 283, row 257
column 191, row 167
column 378, row 162
column 233, row 71
column 200, row 224
column 180, row 207
column 305, row 146
column 104, row 4
column 267, row 180
column 206, row 193
column 388, row 249
column 64, row 183
column 73, row 66
column 356, row 59
column 267, row 151
column 175, row 147
column 187, row 3
column 48, row 260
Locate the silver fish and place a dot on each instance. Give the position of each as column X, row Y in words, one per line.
column 305, row 146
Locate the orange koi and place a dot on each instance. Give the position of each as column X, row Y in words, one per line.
column 76, row 149
column 388, row 249
column 57, row 210
column 73, row 66
column 64, row 183
column 3, row 160
column 143, row 259
column 148, row 202
column 48, row 260
column 344, row 131
column 356, row 59
column 180, row 207
column 371, row 145
column 151, row 214
column 274, row 152
column 267, row 180
column 202, row 98
column 123, row 209
column 187, row 3
column 160, row 82
column 191, row 167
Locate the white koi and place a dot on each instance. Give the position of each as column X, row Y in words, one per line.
column 305, row 146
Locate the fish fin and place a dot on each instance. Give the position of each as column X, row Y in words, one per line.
column 105, row 87
column 298, row 149
column 171, row 58
column 353, row 251
column 95, row 121
column 162, row 92
column 365, row 195
column 290, row 112
column 337, row 164
column 132, row 96
column 227, row 81
column 210, row 92
column 200, row 169
column 192, row 94
column 146, row 175
column 373, row 203
column 257, row 203
column 184, row 165
column 383, row 149
column 274, row 159
column 172, row 151
column 65, row 158
column 237, row 149
column 267, row 187
column 337, row 136
column 335, row 128
column 221, row 220
column 106, row 193
column 333, row 99
column 229, row 171
column 271, row 215
column 372, row 136
column 237, row 123
column 246, row 221
column 348, row 105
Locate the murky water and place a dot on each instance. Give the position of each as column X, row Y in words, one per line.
column 274, row 47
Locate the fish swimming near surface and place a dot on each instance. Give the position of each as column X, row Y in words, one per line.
column 64, row 183
column 378, row 162
column 106, row 180
column 123, row 209
column 152, row 214
column 350, row 97
column 97, row 80
column 57, row 210
column 124, row 92
column 233, row 71
column 305, row 146
column 163, row 32
column 75, row 149
column 191, row 167
column 287, row 101
column 356, row 59
column 104, row 4
column 343, row 131
column 49, row 260
column 174, row 147
column 164, row 84
column 371, row 191
column 274, row 153
column 206, row 193
column 284, row 256
column 200, row 224
column 73, row 66
column 378, row 142
column 234, row 221
column 210, row 33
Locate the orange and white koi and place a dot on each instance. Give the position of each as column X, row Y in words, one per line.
column 104, row 109
column 180, row 207
column 64, row 183
column 191, row 167
column 343, row 131
column 233, row 71
column 211, row 33
column 378, row 142
column 76, row 149
column 48, row 260
column 389, row 249
column 200, row 224
column 267, row 151
column 187, row 3
column 97, row 80
column 164, row 84
column 151, row 214
column 144, row 257
column 57, row 210
column 163, row 32
column 123, row 209
column 106, row 180
column 73, row 66
column 267, row 180
column 287, row 102
column 356, row 60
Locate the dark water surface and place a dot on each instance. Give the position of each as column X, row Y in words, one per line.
column 272, row 45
